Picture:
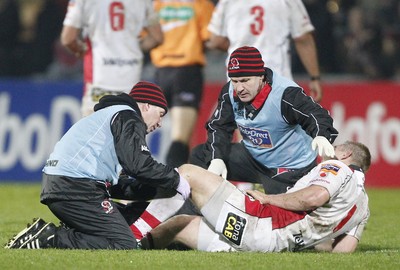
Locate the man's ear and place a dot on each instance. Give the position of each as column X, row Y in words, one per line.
column 144, row 106
column 345, row 155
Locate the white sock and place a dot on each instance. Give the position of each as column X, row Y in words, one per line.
column 157, row 211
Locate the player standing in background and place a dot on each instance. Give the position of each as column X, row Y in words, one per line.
column 268, row 26
column 179, row 63
column 106, row 33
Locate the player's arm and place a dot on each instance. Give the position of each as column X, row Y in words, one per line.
column 152, row 34
column 152, row 38
column 70, row 39
column 218, row 43
column 307, row 51
column 305, row 199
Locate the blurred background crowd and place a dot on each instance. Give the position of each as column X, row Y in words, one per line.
column 354, row 37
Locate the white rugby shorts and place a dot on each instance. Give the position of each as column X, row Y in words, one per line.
column 226, row 226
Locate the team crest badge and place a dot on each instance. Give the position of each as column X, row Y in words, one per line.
column 107, row 206
column 234, row 63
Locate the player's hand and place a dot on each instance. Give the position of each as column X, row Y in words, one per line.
column 324, row 146
column 316, row 90
column 218, row 167
column 183, row 187
column 257, row 195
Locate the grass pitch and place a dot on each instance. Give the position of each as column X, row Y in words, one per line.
column 379, row 247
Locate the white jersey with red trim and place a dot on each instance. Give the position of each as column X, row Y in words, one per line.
column 248, row 225
column 266, row 25
column 111, row 29
column 346, row 209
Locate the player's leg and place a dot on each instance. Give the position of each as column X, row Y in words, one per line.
column 209, row 193
column 87, row 100
column 183, row 121
column 192, row 231
column 181, row 229
column 186, row 91
column 203, row 185
column 158, row 211
column 202, row 182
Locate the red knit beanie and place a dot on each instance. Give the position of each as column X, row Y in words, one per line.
column 245, row 61
column 147, row 92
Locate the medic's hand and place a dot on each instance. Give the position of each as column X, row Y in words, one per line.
column 183, row 187
column 218, row 167
column 324, row 146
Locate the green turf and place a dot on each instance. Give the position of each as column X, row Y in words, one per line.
column 379, row 248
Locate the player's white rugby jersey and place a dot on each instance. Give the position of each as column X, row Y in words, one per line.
column 266, row 25
column 248, row 225
column 111, row 30
column 346, row 210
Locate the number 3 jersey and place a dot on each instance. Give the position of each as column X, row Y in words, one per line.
column 111, row 30
column 266, row 25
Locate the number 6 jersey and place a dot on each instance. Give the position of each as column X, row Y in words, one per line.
column 111, row 30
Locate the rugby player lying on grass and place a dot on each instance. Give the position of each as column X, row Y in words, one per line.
column 327, row 205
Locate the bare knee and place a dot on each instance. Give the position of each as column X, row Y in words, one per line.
column 186, row 169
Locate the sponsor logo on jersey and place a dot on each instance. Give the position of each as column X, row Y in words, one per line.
column 120, row 62
column 51, row 163
column 257, row 137
column 234, row 228
column 329, row 168
column 144, row 148
column 320, row 180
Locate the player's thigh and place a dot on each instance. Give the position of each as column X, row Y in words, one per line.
column 188, row 86
column 241, row 229
column 209, row 240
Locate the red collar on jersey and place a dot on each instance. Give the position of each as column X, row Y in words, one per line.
column 253, row 108
column 261, row 97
